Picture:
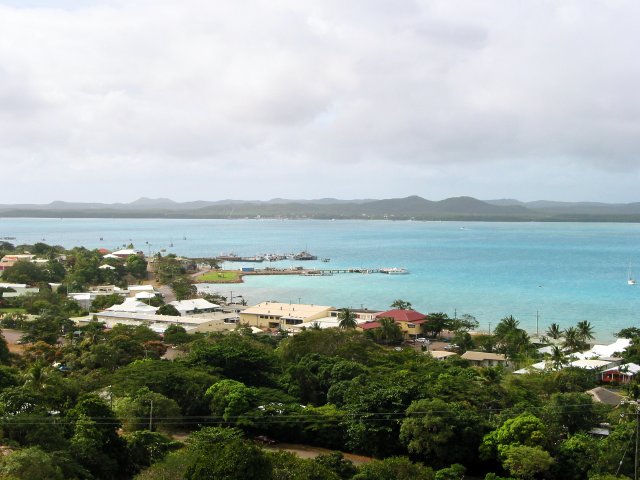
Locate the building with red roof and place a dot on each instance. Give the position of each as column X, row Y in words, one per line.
column 411, row 322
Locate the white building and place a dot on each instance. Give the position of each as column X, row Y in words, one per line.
column 133, row 305
column 194, row 306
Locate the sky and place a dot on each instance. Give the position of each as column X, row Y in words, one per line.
column 109, row 101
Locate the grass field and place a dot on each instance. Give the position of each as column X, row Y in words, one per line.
column 222, row 276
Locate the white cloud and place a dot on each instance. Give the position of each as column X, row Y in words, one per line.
column 268, row 94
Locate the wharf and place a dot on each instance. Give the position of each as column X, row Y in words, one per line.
column 312, row 271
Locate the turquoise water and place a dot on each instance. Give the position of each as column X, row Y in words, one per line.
column 566, row 272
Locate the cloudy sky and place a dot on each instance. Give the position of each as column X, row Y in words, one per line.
column 255, row 99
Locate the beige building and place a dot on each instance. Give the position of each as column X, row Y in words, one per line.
column 485, row 359
column 275, row 315
column 211, row 322
column 10, row 260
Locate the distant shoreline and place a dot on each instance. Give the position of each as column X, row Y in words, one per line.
column 453, row 218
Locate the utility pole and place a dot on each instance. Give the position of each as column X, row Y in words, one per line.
column 151, row 416
column 489, row 328
column 635, row 461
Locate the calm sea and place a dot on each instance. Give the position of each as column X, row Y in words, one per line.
column 538, row 272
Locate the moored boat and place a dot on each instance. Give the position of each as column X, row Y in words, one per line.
column 394, row 271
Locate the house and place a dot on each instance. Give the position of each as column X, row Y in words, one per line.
column 620, row 374
column 274, row 315
column 485, row 359
column 196, row 305
column 10, row 260
column 18, row 289
column 217, row 322
column 440, row 354
column 133, row 305
column 125, row 253
column 322, row 323
column 411, row 322
column 362, row 314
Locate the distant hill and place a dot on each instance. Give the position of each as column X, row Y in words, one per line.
column 411, row 207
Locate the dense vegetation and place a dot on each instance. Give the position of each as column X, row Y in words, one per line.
column 90, row 403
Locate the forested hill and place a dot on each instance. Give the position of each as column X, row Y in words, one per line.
column 412, row 207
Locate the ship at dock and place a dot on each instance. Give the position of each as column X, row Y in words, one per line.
column 267, row 257
column 232, row 257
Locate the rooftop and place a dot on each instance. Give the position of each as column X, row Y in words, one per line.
column 402, row 315
column 289, row 310
column 480, row 356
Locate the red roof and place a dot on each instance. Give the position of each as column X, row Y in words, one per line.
column 403, row 315
column 369, row 325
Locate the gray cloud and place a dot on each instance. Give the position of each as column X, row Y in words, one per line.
column 484, row 98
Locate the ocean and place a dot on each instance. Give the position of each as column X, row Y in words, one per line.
column 538, row 272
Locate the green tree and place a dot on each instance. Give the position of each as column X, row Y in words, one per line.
column 347, row 319
column 236, row 356
column 525, row 429
column 464, row 323
column 30, row 464
column 231, row 400
column 394, row 468
column 235, row 459
column 177, row 335
column 24, row 271
column 571, row 412
column 336, row 462
column 454, row 472
column 526, row 462
column 442, row 432
column 576, row 456
column 102, row 302
column 147, row 447
column 585, row 330
column 138, row 411
column 436, row 323
column 388, row 333
column 168, row 309
column 573, row 340
column 401, row 304
column 136, row 266
column 554, row 331
column 183, row 288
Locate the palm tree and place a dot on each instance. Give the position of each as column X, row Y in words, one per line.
column 554, row 331
column 557, row 357
column 572, row 340
column 401, row 305
column 389, row 330
column 347, row 319
column 506, row 326
column 585, row 330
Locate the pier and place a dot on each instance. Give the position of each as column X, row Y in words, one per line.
column 322, row 271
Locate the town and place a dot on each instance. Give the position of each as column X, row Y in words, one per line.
column 112, row 359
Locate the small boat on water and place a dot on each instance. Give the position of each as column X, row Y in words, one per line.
column 630, row 279
column 326, row 260
column 394, row 271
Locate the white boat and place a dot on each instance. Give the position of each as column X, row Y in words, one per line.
column 394, row 271
column 630, row 280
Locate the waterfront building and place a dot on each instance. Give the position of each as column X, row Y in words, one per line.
column 274, row 315
column 411, row 322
